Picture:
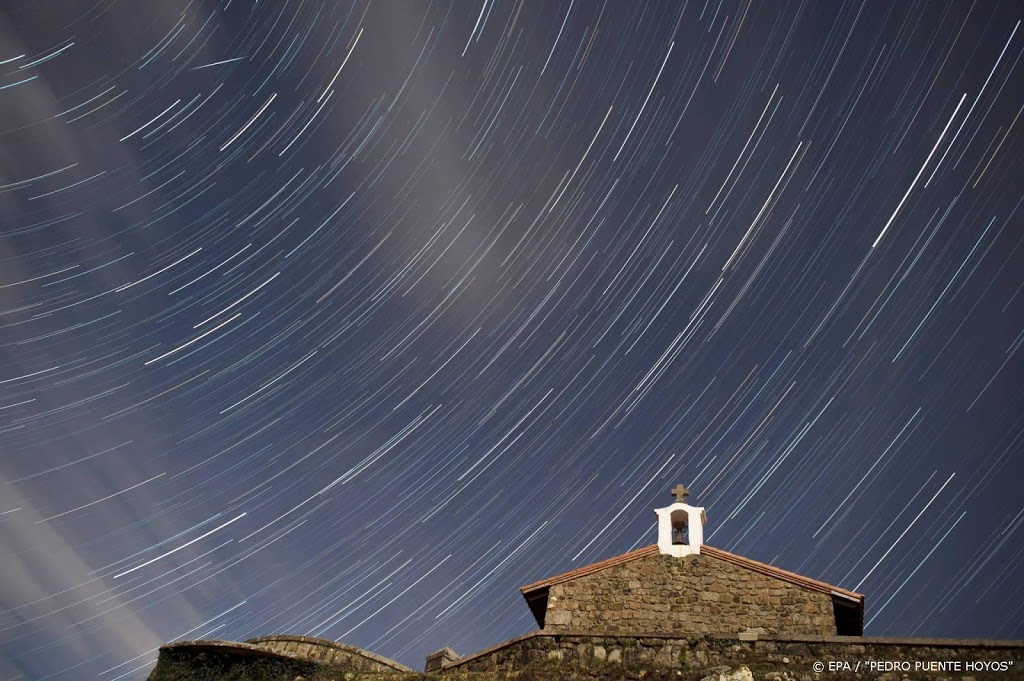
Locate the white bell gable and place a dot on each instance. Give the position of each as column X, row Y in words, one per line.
column 680, row 526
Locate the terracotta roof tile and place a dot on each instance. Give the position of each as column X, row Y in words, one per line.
column 778, row 573
column 587, row 569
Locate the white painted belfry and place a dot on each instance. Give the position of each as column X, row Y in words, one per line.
column 680, row 515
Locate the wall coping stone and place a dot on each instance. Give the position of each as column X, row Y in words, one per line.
column 337, row 645
column 214, row 646
column 895, row 641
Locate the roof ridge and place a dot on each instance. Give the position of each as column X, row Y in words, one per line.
column 720, row 554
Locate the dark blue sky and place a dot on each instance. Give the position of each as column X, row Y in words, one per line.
column 348, row 319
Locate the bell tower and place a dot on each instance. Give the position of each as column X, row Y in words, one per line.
column 680, row 526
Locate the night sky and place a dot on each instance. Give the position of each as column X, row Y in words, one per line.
column 347, row 319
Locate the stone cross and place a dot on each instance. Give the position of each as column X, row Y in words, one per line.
column 681, row 493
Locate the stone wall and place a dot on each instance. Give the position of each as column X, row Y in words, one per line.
column 588, row 656
column 694, row 595
column 228, row 661
column 582, row 656
column 270, row 658
column 328, row 652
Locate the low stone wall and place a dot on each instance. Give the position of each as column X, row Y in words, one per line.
column 588, row 655
column 585, row 656
column 329, row 652
column 228, row 661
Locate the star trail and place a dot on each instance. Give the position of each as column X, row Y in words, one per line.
column 348, row 319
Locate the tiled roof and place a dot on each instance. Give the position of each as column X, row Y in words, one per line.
column 778, row 573
column 587, row 569
column 706, row 550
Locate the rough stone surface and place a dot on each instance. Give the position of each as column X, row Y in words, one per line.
column 772, row 658
column 438, row 660
column 692, row 595
column 739, row 674
column 328, row 653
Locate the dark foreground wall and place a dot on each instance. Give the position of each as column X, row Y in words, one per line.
column 543, row 656
column 270, row 658
column 228, row 661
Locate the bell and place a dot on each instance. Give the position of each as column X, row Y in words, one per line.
column 679, row 535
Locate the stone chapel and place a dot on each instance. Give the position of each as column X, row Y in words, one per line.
column 677, row 606
column 682, row 586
